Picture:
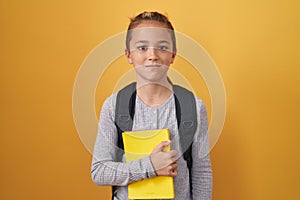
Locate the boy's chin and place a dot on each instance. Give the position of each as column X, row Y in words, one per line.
column 153, row 81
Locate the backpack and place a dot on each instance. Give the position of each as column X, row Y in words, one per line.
column 186, row 116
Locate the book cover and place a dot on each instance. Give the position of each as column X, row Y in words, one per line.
column 138, row 144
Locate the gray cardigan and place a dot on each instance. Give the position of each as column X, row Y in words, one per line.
column 106, row 171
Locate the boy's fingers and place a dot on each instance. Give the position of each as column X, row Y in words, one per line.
column 173, row 153
column 173, row 173
column 161, row 146
column 174, row 166
column 172, row 170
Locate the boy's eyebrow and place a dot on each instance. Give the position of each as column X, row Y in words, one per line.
column 164, row 41
column 146, row 41
column 142, row 41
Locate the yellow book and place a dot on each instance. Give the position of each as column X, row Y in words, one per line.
column 138, row 144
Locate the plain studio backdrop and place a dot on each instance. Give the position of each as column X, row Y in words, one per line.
column 255, row 45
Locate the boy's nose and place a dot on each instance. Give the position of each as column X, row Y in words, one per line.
column 152, row 54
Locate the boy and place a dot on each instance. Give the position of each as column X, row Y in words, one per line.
column 151, row 49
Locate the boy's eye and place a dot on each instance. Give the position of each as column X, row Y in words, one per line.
column 163, row 48
column 142, row 48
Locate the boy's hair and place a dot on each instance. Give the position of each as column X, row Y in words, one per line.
column 150, row 16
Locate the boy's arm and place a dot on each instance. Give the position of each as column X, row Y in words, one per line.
column 105, row 170
column 201, row 170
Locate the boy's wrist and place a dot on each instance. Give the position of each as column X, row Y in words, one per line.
column 150, row 171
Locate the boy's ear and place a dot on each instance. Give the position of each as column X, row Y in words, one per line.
column 173, row 57
column 128, row 56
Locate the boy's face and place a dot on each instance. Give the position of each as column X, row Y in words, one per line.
column 151, row 50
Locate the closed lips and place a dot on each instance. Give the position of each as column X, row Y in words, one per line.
column 155, row 65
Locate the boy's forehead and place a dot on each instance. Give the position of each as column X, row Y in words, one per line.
column 150, row 34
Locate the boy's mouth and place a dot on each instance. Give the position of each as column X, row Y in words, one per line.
column 153, row 65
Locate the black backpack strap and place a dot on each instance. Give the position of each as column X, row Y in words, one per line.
column 124, row 112
column 186, row 109
column 186, row 114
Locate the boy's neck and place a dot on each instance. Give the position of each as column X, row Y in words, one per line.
column 154, row 94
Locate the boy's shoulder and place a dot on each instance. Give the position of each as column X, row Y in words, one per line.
column 199, row 102
column 109, row 104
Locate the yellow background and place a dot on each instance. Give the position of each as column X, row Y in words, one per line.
column 255, row 45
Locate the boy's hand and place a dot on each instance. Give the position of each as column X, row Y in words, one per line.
column 164, row 163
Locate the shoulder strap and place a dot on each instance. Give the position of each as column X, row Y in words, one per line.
column 124, row 112
column 186, row 114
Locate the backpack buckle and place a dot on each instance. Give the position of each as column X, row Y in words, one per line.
column 188, row 124
column 124, row 118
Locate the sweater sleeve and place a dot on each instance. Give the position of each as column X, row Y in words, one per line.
column 105, row 170
column 201, row 169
